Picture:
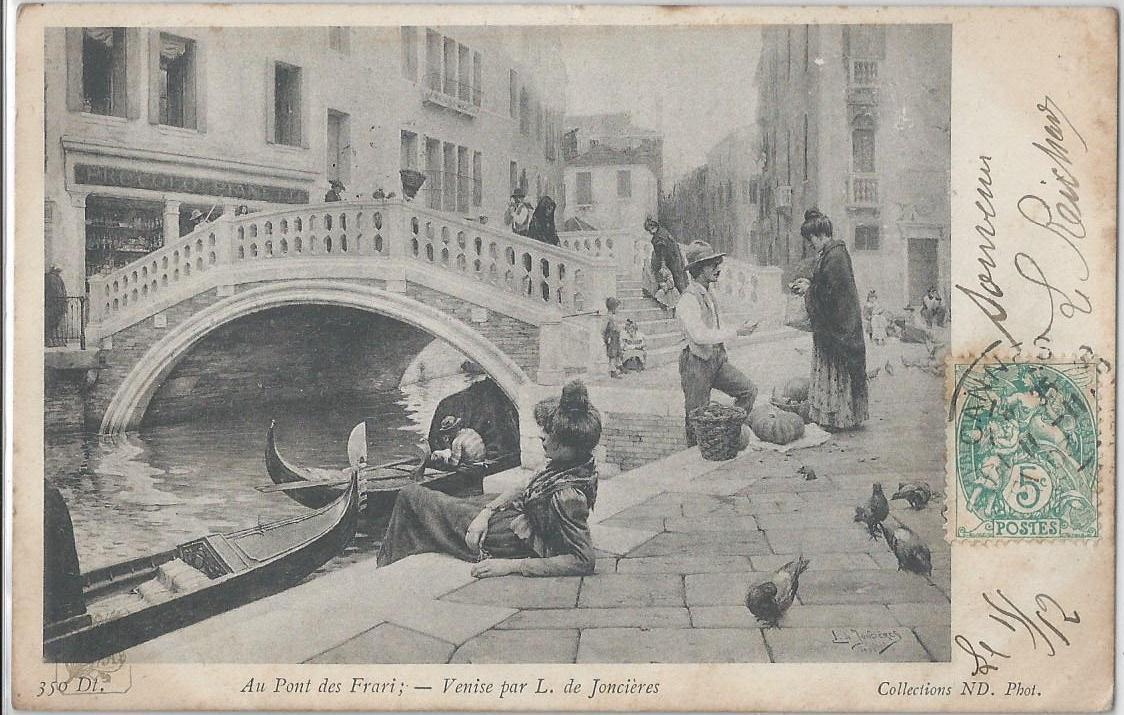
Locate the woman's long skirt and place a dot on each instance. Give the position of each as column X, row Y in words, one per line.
column 832, row 402
column 427, row 521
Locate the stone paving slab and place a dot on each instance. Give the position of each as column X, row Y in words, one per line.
column 618, row 540
column 617, row 590
column 817, row 562
column 446, row 619
column 684, row 564
column 937, row 641
column 711, row 543
column 809, row 515
column 671, row 645
column 520, row 592
column 522, row 646
column 874, row 586
column 720, row 589
column 731, row 525
column 788, row 485
column 844, row 645
column 658, row 617
column 388, row 643
column 922, row 614
column 852, row 537
column 605, row 564
column 653, row 524
column 798, row 616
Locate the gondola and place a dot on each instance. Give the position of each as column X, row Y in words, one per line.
column 378, row 484
column 134, row 601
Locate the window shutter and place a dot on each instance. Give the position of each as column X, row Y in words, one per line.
column 270, row 102
column 154, row 77
column 200, row 86
column 303, row 122
column 74, row 68
column 134, row 57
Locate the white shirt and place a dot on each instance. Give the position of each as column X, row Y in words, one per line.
column 697, row 324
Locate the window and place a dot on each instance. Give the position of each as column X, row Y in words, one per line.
column 523, row 179
column 433, row 61
column 513, row 93
column 805, row 147
column 866, row 238
column 513, row 176
column 339, row 39
column 477, row 79
column 409, row 37
column 464, row 180
column 177, row 82
column 433, row 173
column 450, row 163
column 584, row 188
column 807, row 43
column 862, row 144
column 570, row 144
column 103, row 64
column 477, row 179
column 287, row 104
column 339, row 147
column 409, row 151
column 464, row 74
column 524, row 112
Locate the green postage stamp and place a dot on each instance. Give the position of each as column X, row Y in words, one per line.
column 1026, row 451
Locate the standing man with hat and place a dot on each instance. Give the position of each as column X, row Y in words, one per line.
column 703, row 364
column 519, row 212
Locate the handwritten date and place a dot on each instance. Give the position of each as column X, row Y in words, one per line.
column 1045, row 627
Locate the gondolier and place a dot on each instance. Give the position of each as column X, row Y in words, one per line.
column 466, row 446
column 703, row 365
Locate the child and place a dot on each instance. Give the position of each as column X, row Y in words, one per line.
column 633, row 352
column 666, row 294
column 877, row 322
column 611, row 335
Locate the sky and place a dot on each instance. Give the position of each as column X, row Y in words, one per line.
column 693, row 84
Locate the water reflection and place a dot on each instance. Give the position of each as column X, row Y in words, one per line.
column 163, row 485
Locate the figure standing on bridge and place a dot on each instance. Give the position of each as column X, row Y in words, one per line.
column 519, row 212
column 666, row 252
column 542, row 222
column 703, row 364
column 335, row 191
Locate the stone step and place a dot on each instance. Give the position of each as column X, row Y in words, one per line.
column 642, row 315
column 624, row 293
column 638, row 302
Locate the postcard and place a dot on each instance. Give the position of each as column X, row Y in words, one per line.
column 564, row 358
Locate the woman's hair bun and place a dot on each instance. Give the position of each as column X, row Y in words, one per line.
column 575, row 397
column 812, row 213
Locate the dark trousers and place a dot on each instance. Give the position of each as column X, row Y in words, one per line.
column 699, row 377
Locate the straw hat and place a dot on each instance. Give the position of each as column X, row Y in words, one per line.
column 700, row 252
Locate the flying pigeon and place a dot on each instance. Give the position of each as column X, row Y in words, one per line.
column 917, row 494
column 769, row 600
column 875, row 511
column 889, row 368
column 912, row 555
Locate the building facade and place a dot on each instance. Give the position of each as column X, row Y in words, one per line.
column 855, row 121
column 718, row 201
column 148, row 131
column 610, row 188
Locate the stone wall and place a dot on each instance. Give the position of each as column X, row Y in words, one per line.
column 631, row 440
column 63, row 400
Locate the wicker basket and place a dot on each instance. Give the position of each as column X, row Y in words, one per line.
column 717, row 429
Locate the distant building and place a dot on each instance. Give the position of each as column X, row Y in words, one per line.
column 718, row 202
column 855, row 120
column 147, row 126
column 613, row 171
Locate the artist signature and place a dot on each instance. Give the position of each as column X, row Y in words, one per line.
column 1048, row 625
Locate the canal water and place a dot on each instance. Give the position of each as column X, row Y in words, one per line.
column 162, row 485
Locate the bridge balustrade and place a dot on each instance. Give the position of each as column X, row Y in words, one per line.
column 550, row 276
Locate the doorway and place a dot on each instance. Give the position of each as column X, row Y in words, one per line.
column 924, row 268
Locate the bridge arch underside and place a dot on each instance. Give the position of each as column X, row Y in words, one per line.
column 411, row 321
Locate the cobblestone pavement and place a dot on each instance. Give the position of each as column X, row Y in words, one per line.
column 680, row 540
column 678, row 595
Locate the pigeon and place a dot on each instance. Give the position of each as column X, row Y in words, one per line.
column 889, row 368
column 875, row 511
column 808, row 472
column 917, row 494
column 769, row 600
column 912, row 555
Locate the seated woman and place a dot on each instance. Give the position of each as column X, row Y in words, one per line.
column 537, row 530
column 634, row 354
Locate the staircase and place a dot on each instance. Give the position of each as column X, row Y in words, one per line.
column 661, row 329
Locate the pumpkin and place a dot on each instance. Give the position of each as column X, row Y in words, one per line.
column 772, row 424
column 796, row 389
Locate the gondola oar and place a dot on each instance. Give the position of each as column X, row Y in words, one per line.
column 271, row 488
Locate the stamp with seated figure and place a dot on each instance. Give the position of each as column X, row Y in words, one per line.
column 1026, row 451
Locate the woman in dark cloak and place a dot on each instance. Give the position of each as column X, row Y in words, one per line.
column 541, row 529
column 484, row 407
column 838, row 395
column 55, row 290
column 542, row 222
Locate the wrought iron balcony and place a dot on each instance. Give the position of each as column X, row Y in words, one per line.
column 863, row 190
column 65, row 321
